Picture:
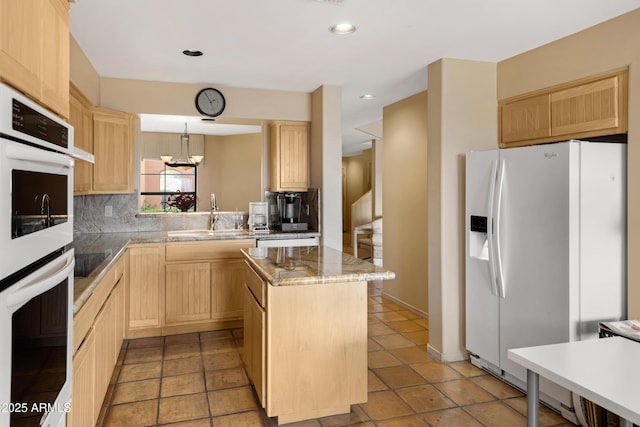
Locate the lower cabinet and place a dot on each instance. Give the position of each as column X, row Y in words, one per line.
column 188, row 292
column 144, row 288
column 100, row 343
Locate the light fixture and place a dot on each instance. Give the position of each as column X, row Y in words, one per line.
column 192, row 52
column 342, row 28
column 182, row 161
column 367, row 96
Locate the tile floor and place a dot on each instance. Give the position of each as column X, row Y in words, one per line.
column 197, row 380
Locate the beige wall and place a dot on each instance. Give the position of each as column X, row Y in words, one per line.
column 82, row 73
column 358, row 181
column 462, row 116
column 404, row 200
column 605, row 47
column 232, row 170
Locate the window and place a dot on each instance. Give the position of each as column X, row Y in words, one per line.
column 167, row 189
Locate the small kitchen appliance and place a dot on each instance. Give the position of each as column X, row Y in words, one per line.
column 258, row 217
column 289, row 205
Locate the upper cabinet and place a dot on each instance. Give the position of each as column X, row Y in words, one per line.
column 591, row 107
column 34, row 50
column 81, row 120
column 289, row 156
column 113, row 150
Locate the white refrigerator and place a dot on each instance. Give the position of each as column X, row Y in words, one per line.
column 545, row 251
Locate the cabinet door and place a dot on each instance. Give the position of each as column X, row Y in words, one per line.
column 83, row 387
column 119, row 302
column 105, row 343
column 253, row 352
column 144, row 287
column 525, row 119
column 226, row 282
column 187, row 292
column 55, row 66
column 113, row 150
column 588, row 107
column 80, row 119
column 289, row 151
column 21, row 34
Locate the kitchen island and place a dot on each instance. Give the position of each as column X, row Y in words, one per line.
column 305, row 329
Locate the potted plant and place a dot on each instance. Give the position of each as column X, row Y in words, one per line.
column 182, row 201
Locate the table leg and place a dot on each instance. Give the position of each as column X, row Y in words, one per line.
column 533, row 414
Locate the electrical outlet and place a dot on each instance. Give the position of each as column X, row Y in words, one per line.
column 108, row 211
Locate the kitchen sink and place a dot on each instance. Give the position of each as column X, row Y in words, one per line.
column 205, row 233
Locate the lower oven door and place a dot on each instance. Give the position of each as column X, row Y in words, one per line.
column 36, row 199
column 36, row 317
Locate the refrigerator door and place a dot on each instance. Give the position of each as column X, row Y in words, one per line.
column 537, row 222
column 482, row 309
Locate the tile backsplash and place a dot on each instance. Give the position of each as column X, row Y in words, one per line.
column 90, row 216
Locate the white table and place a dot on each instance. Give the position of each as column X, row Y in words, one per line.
column 605, row 371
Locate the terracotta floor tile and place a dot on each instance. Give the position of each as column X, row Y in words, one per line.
column 436, row 372
column 420, row 337
column 183, row 408
column 410, row 421
column 202, row 422
column 136, row 391
column 307, row 423
column 411, row 315
column 547, row 416
column 243, row 419
column 399, row 376
column 375, row 383
column 450, row 418
column 226, row 378
column 182, row 339
column 385, row 404
column 186, row 365
column 390, row 316
column 405, row 326
column 214, row 335
column 467, row 369
column 381, row 359
column 357, row 416
column 228, row 401
column 140, row 371
column 380, row 329
column 411, row 355
column 390, row 306
column 373, row 346
column 496, row 414
column 221, row 345
column 213, row 362
column 182, row 384
column 375, row 308
column 422, row 322
column 132, row 414
column 142, row 355
column 393, row 341
column 425, row 398
column 464, row 392
column 146, row 342
column 180, row 351
column 371, row 319
column 498, row 388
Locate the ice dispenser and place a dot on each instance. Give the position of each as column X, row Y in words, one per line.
column 478, row 241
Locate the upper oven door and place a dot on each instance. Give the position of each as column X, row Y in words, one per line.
column 36, row 204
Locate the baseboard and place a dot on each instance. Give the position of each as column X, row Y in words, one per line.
column 406, row 306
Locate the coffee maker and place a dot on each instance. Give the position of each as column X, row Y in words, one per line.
column 289, row 205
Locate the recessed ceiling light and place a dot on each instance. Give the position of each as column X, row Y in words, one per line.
column 342, row 28
column 367, row 96
column 190, row 52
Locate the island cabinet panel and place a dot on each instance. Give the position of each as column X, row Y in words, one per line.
column 187, row 292
column 253, row 351
column 144, row 288
column 591, row 107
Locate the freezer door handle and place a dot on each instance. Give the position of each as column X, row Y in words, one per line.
column 490, row 223
column 496, row 233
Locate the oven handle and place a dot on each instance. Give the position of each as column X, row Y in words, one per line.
column 42, row 280
column 28, row 154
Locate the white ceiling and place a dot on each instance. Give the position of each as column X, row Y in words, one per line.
column 286, row 45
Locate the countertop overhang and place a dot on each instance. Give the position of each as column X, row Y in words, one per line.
column 309, row 265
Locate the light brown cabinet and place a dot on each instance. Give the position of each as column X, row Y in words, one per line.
column 289, row 156
column 591, row 107
column 188, row 292
column 145, row 282
column 34, row 50
column 98, row 335
column 81, row 120
column 254, row 341
column 113, row 150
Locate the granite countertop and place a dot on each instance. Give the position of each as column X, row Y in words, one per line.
column 310, row 265
column 96, row 252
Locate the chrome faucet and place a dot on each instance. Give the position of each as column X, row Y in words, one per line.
column 213, row 217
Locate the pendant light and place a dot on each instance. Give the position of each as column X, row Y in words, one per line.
column 182, row 161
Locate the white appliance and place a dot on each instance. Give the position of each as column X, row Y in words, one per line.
column 545, row 251
column 36, row 271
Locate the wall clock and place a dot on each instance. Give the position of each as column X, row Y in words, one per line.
column 210, row 102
